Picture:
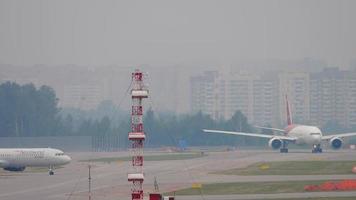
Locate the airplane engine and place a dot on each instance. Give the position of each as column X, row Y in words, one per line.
column 15, row 169
column 335, row 143
column 275, row 143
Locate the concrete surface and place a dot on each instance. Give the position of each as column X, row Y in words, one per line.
column 109, row 180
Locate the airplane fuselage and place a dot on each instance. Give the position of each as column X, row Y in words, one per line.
column 11, row 158
column 310, row 135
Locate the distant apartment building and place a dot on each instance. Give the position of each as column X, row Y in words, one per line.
column 252, row 94
column 265, row 108
column 333, row 97
column 238, row 93
column 221, row 95
column 205, row 94
column 315, row 98
column 82, row 96
column 296, row 86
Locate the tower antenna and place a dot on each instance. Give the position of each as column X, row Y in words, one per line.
column 137, row 135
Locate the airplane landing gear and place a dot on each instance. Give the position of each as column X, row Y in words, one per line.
column 317, row 148
column 51, row 172
column 284, row 148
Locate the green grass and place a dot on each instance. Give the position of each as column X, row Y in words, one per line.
column 248, row 188
column 168, row 156
column 322, row 198
column 294, row 168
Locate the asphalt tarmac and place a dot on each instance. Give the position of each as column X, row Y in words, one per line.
column 109, row 180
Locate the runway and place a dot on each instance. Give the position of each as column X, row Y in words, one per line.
column 109, row 180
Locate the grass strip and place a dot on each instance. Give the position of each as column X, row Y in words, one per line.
column 320, row 198
column 293, row 168
column 248, row 188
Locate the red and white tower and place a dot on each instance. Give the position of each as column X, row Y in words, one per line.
column 137, row 135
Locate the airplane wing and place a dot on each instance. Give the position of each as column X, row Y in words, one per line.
column 282, row 137
column 341, row 135
column 268, row 128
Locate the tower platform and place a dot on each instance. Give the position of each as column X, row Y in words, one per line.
column 135, row 177
column 139, row 93
column 137, row 136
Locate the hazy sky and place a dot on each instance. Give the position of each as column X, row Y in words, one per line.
column 175, row 32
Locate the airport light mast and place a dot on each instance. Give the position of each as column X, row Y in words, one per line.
column 137, row 135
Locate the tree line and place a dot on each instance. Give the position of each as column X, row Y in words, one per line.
column 29, row 111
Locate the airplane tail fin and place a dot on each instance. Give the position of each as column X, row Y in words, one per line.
column 289, row 114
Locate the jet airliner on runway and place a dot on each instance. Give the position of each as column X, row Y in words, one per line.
column 294, row 133
column 12, row 159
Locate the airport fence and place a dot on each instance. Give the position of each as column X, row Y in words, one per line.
column 109, row 143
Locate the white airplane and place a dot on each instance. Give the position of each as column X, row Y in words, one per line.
column 12, row 159
column 294, row 133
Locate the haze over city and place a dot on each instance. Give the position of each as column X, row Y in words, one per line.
column 175, row 100
column 132, row 33
column 174, row 40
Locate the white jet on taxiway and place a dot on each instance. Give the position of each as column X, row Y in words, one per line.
column 294, row 133
column 12, row 159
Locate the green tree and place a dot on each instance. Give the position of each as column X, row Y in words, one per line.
column 27, row 111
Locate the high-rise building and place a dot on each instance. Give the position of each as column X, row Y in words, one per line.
column 265, row 108
column 82, row 96
column 333, row 97
column 238, row 93
column 315, row 98
column 252, row 94
column 296, row 86
column 205, row 94
column 222, row 94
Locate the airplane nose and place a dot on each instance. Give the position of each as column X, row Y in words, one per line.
column 67, row 159
column 317, row 138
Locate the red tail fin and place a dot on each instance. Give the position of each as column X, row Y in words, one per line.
column 289, row 114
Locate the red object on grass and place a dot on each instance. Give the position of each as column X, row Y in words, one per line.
column 331, row 186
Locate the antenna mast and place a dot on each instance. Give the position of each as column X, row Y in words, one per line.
column 137, row 135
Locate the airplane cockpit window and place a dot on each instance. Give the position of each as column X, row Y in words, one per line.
column 314, row 133
column 59, row 154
